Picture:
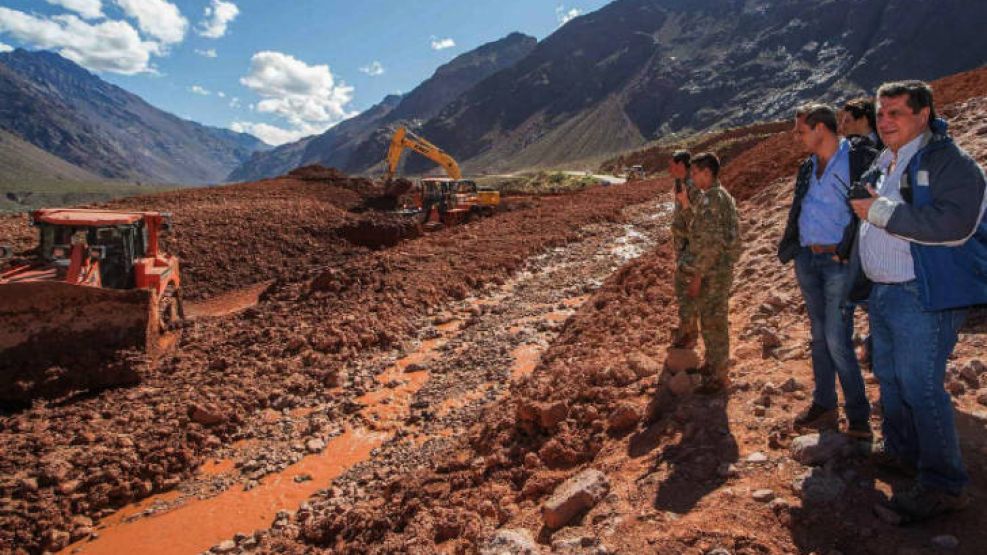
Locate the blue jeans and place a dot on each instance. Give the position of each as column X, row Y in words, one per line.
column 911, row 346
column 823, row 281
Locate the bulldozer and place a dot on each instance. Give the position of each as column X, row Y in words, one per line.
column 98, row 283
column 438, row 201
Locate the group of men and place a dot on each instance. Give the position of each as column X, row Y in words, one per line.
column 887, row 217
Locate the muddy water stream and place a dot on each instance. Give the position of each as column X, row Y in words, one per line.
column 431, row 394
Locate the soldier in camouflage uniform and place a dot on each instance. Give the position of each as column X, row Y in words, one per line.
column 686, row 195
column 708, row 265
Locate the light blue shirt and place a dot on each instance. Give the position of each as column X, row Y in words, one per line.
column 887, row 258
column 825, row 210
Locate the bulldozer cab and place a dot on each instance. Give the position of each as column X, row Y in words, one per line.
column 117, row 248
column 121, row 246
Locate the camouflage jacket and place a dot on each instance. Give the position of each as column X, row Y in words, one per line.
column 714, row 236
column 682, row 217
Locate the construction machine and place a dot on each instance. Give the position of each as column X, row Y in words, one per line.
column 636, row 173
column 438, row 201
column 97, row 283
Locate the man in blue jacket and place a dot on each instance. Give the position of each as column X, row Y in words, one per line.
column 923, row 248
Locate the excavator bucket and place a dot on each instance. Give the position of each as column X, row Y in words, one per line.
column 56, row 338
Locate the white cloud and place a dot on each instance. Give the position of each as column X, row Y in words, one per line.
column 5, row 48
column 198, row 89
column 207, row 53
column 374, row 69
column 217, row 17
column 158, row 18
column 442, row 44
column 221, row 94
column 112, row 46
column 274, row 135
column 306, row 96
column 234, row 102
column 89, row 9
column 565, row 16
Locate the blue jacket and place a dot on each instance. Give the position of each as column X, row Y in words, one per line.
column 942, row 217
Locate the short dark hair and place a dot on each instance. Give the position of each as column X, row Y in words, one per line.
column 708, row 161
column 919, row 95
column 816, row 113
column 862, row 107
column 682, row 157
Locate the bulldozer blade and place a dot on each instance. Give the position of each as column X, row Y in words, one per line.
column 56, row 338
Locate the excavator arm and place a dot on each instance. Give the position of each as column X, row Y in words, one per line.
column 403, row 139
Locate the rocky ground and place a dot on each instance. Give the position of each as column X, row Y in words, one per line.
column 83, row 457
column 501, row 387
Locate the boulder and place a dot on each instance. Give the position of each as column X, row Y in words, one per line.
column 816, row 449
column 207, row 416
column 575, row 496
column 624, row 417
column 551, row 415
column 643, row 365
column 819, row 486
column 510, row 541
column 763, row 495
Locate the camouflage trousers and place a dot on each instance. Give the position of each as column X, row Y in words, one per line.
column 688, row 331
column 713, row 307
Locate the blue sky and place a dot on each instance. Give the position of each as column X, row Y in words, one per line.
column 277, row 68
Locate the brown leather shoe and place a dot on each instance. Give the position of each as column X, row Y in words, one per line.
column 817, row 417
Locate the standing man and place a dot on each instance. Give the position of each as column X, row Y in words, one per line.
column 686, row 195
column 858, row 123
column 818, row 237
column 924, row 248
column 707, row 266
column 858, row 119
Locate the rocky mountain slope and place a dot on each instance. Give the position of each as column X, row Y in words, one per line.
column 358, row 144
column 70, row 113
column 639, row 69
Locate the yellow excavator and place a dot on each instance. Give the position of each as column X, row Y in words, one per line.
column 444, row 201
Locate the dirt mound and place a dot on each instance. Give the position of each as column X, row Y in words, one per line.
column 332, row 176
column 232, row 236
column 753, row 170
column 960, row 87
column 726, row 144
column 379, row 231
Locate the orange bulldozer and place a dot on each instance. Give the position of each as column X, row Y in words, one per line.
column 94, row 302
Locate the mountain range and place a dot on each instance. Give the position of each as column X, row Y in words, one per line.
column 55, row 105
column 638, row 70
column 604, row 83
